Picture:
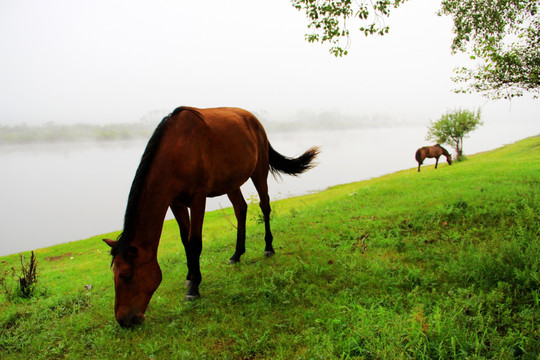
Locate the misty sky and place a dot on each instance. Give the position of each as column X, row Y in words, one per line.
column 115, row 61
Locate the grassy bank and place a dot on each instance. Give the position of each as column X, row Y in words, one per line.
column 438, row 264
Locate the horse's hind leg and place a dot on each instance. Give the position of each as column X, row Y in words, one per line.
column 240, row 210
column 182, row 218
column 262, row 190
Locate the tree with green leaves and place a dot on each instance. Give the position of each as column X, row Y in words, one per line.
column 502, row 37
column 452, row 127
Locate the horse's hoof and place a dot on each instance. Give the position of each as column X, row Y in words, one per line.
column 187, row 283
column 192, row 297
column 232, row 261
column 269, row 253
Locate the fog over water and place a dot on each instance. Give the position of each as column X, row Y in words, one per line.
column 58, row 193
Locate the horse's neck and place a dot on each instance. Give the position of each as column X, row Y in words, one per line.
column 150, row 217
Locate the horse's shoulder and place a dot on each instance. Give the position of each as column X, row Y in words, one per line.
column 188, row 110
column 187, row 117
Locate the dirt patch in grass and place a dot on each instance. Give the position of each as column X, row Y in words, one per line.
column 58, row 257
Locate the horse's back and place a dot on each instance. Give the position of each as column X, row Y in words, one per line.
column 220, row 147
column 218, row 123
column 222, row 115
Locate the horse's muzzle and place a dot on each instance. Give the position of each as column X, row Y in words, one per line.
column 131, row 321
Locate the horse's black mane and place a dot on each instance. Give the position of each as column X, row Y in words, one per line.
column 130, row 218
column 445, row 152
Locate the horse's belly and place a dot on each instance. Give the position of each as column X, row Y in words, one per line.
column 225, row 185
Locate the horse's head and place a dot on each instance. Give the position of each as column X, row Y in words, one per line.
column 449, row 159
column 136, row 277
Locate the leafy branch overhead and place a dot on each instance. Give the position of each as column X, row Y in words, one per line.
column 328, row 20
column 502, row 38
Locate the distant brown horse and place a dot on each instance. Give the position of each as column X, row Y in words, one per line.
column 193, row 154
column 434, row 151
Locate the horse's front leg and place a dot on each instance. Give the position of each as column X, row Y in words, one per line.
column 181, row 215
column 194, row 245
column 240, row 211
column 436, row 161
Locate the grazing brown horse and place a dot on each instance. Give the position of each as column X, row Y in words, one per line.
column 434, row 151
column 193, row 154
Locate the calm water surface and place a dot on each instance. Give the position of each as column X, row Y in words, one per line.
column 64, row 192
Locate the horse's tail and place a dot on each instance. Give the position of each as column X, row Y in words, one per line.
column 418, row 155
column 291, row 166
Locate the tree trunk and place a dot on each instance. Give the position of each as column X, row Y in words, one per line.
column 459, row 148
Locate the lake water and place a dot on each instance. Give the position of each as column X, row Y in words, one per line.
column 52, row 194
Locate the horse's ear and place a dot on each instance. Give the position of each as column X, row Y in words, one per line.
column 111, row 243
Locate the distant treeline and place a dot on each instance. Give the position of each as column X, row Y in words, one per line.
column 301, row 121
column 51, row 132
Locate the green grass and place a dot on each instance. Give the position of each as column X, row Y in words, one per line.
column 442, row 264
